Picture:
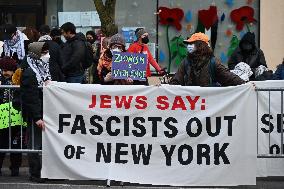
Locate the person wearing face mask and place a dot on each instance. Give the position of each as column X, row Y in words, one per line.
column 14, row 43
column 116, row 44
column 52, row 38
column 247, row 52
column 93, row 73
column 35, row 73
column 140, row 46
column 73, row 54
column 201, row 68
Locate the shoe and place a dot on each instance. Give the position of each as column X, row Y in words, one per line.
column 15, row 172
column 37, row 179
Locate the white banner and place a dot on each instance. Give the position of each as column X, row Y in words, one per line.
column 168, row 135
column 275, row 166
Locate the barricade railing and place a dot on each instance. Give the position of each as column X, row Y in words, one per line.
column 8, row 110
column 22, row 149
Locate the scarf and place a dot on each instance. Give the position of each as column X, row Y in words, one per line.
column 45, row 38
column 15, row 45
column 103, row 62
column 40, row 68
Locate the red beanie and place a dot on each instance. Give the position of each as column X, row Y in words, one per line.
column 7, row 63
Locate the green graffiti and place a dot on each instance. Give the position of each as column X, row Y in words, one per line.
column 15, row 117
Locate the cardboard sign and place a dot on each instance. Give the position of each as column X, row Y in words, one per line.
column 129, row 65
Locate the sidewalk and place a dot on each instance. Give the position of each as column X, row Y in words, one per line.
column 22, row 182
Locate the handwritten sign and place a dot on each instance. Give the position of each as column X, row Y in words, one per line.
column 129, row 65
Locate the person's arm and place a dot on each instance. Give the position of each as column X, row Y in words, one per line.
column 78, row 51
column 232, row 62
column 152, row 61
column 277, row 74
column 262, row 60
column 30, row 94
column 178, row 78
column 225, row 77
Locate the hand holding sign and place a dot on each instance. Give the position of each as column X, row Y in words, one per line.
column 129, row 65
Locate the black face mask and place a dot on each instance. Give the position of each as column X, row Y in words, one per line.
column 247, row 47
column 145, row 40
column 91, row 41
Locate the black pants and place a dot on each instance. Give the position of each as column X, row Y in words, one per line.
column 36, row 144
column 15, row 158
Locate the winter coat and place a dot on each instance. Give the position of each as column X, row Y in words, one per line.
column 142, row 48
column 31, row 95
column 55, row 61
column 73, row 56
column 222, row 75
column 254, row 59
column 279, row 73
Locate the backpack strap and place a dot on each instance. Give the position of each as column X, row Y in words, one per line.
column 187, row 69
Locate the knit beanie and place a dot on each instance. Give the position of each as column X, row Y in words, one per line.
column 7, row 63
column 140, row 32
column 117, row 39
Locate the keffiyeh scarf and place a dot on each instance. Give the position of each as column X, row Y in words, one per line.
column 41, row 69
column 15, row 45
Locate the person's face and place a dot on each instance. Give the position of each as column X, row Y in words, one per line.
column 7, row 74
column 66, row 35
column 89, row 37
column 117, row 46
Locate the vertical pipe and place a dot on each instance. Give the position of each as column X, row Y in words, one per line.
column 281, row 122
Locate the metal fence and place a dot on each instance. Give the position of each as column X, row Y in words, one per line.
column 10, row 89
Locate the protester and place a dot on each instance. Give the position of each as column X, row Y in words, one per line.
column 201, row 68
column 8, row 67
column 248, row 52
column 14, row 43
column 55, row 61
column 55, row 34
column 140, row 46
column 44, row 32
column 35, row 72
column 73, row 54
column 93, row 73
column 279, row 73
column 116, row 44
column 32, row 34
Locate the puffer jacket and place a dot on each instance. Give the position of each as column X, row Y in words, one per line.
column 202, row 77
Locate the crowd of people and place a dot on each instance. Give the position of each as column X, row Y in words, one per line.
column 32, row 58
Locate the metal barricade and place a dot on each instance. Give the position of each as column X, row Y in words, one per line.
column 268, row 92
column 10, row 89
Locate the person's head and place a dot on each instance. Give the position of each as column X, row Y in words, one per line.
column 39, row 51
column 32, row 34
column 55, row 34
column 142, row 35
column 105, row 43
column 117, row 43
column 8, row 66
column 198, row 46
column 91, row 36
column 44, row 30
column 68, row 30
column 247, row 43
column 9, row 31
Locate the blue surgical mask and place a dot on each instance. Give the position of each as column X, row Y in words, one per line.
column 190, row 48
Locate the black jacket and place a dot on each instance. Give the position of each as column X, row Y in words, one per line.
column 254, row 59
column 31, row 95
column 55, row 61
column 73, row 54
